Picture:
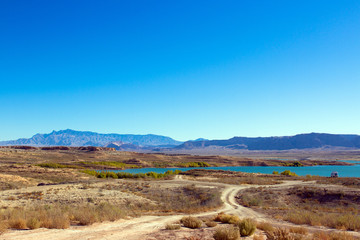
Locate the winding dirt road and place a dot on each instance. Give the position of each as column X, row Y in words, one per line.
column 137, row 228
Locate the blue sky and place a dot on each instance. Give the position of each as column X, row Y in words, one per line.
column 185, row 69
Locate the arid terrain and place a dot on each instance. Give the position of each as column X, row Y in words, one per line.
column 46, row 195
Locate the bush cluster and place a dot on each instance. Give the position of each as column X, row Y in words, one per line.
column 112, row 164
column 194, row 164
column 110, row 174
column 244, row 228
column 56, row 165
column 288, row 173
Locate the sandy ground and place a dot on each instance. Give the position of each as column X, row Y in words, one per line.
column 152, row 227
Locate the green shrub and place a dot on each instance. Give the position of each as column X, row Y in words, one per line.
column 112, row 164
column 194, row 164
column 56, row 165
column 111, row 174
column 226, row 233
column 191, row 222
column 246, row 227
column 288, row 173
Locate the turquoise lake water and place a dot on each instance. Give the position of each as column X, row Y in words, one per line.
column 325, row 171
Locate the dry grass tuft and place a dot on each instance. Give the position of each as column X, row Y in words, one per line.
column 279, row 234
column 172, row 226
column 3, row 227
column 298, row 230
column 226, row 233
column 33, row 223
column 265, row 226
column 191, row 222
column 246, row 227
column 18, row 223
column 211, row 224
column 227, row 218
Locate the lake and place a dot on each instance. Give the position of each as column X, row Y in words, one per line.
column 325, row 171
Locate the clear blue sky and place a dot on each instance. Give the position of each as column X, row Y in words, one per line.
column 185, row 69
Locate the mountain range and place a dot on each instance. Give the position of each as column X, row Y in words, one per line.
column 300, row 141
column 151, row 142
column 78, row 138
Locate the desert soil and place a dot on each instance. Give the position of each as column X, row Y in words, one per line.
column 153, row 227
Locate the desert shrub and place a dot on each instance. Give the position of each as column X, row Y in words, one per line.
column 17, row 223
column 288, row 173
column 191, row 222
column 194, row 164
column 60, row 221
column 250, row 201
column 56, row 165
column 246, row 227
column 112, row 164
column 3, row 227
column 186, row 199
column 303, row 217
column 265, row 226
column 210, row 223
column 108, row 212
column 227, row 218
column 172, row 226
column 226, row 233
column 85, row 215
column 348, row 221
column 279, row 234
column 298, row 230
column 33, row 223
column 111, row 174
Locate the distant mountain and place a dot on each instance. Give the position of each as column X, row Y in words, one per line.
column 78, row 138
column 121, row 146
column 301, row 141
column 200, row 139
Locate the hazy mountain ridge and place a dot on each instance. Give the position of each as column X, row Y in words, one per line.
column 79, row 138
column 300, row 141
column 150, row 142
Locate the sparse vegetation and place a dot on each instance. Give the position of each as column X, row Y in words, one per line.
column 194, row 164
column 110, row 174
column 314, row 206
column 111, row 164
column 56, row 165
